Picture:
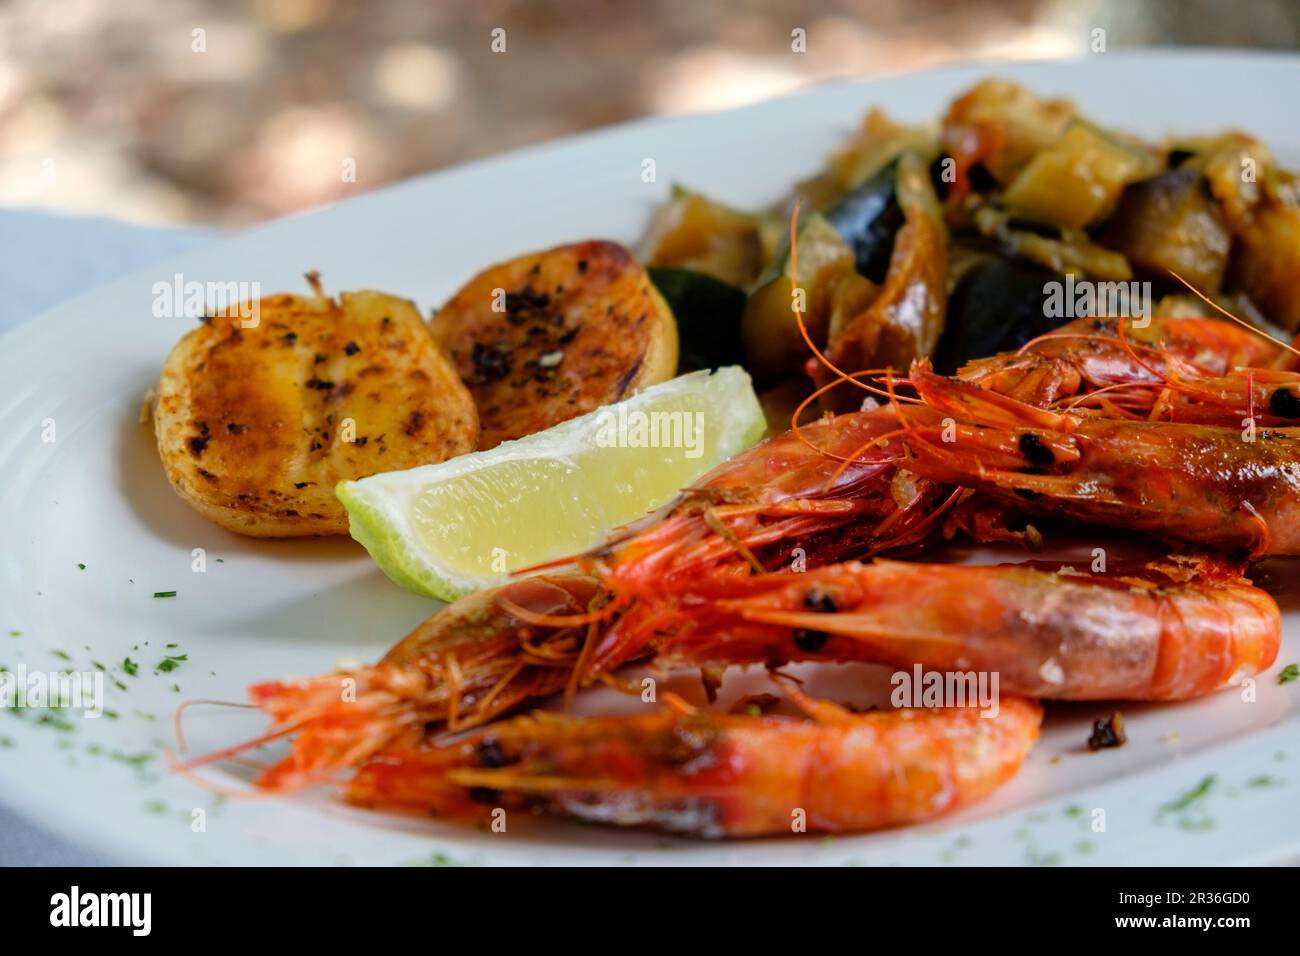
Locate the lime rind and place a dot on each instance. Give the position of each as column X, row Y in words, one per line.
column 379, row 506
column 393, row 551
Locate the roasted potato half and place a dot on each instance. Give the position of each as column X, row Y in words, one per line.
column 256, row 425
column 555, row 334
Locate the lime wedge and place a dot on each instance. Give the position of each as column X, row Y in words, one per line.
column 448, row 529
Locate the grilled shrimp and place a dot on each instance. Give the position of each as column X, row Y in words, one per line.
column 1089, row 356
column 1191, row 370
column 467, row 664
column 715, row 775
column 752, row 512
column 1206, row 485
column 1168, row 630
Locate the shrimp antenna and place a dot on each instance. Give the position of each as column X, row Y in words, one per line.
column 881, row 440
column 1242, row 322
column 794, row 302
column 185, row 705
column 803, row 406
column 1048, row 336
column 227, row 752
column 563, row 620
column 186, row 771
column 718, row 526
column 1173, row 383
column 1123, row 340
column 915, row 530
column 856, row 456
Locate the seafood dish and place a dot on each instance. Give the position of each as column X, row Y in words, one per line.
column 997, row 330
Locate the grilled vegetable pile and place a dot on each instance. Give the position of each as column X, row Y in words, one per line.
column 943, row 241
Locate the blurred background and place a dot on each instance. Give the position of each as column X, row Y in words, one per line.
column 228, row 112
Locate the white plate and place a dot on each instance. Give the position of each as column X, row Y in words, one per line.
column 97, row 496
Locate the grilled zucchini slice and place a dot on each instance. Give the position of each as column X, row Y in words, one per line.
column 256, row 425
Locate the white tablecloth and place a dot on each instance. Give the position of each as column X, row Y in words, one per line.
column 45, row 259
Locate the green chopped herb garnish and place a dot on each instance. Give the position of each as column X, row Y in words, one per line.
column 171, row 662
column 82, row 566
column 61, row 655
column 164, row 594
column 1288, row 674
column 52, row 718
column 1035, row 857
column 1191, row 796
column 130, row 666
column 135, row 760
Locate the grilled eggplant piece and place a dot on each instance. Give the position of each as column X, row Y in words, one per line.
column 556, row 334
column 844, row 258
column 996, row 306
column 869, row 219
column 904, row 321
column 256, row 421
column 1171, row 222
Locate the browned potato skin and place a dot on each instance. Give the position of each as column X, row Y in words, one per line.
column 589, row 308
column 250, row 421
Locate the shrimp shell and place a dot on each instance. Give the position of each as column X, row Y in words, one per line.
column 1168, row 630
